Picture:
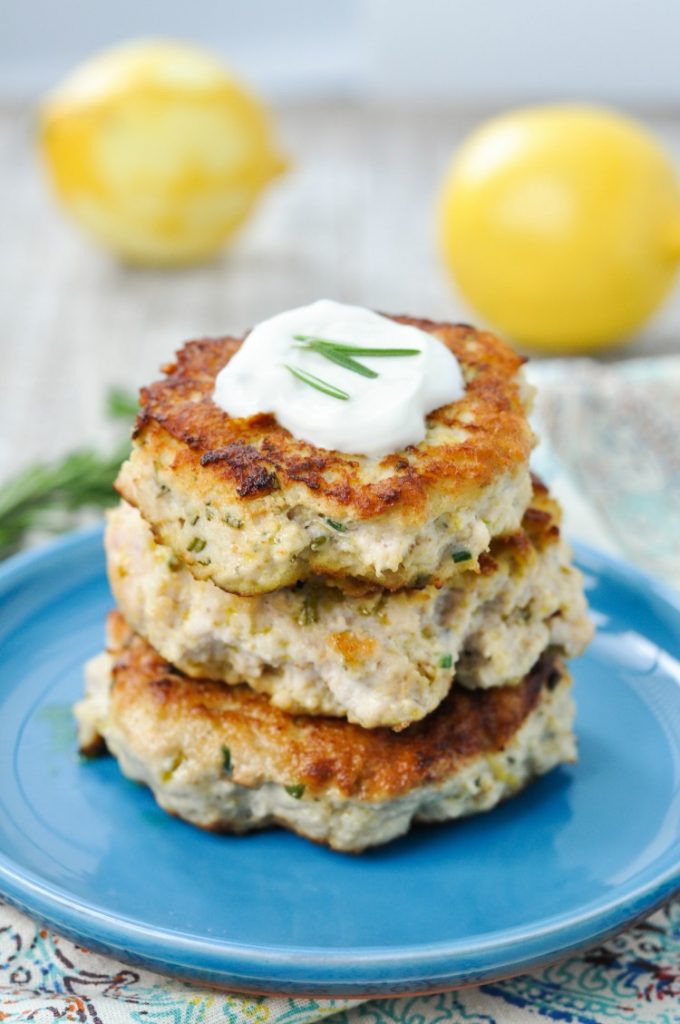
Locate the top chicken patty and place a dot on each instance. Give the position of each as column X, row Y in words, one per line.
column 245, row 504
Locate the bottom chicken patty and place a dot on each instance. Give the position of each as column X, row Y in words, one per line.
column 226, row 759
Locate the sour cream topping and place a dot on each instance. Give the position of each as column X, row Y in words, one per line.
column 276, row 371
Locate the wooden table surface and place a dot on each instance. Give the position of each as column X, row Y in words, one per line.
column 352, row 220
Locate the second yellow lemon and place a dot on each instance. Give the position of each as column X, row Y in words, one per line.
column 561, row 225
column 157, row 151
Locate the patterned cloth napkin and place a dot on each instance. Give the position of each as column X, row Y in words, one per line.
column 610, row 450
column 635, row 977
column 611, row 453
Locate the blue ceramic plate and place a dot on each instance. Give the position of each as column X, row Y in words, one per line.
column 582, row 852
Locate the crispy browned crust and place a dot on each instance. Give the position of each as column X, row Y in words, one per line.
column 255, row 456
column 320, row 753
column 540, row 528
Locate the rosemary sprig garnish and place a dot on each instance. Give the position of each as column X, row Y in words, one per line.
column 342, row 353
column 341, row 358
column 48, row 497
column 355, row 350
column 316, row 382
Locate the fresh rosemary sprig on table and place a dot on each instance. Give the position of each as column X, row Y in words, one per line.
column 49, row 496
column 121, row 405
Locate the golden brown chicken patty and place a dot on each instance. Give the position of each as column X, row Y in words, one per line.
column 225, row 758
column 245, row 504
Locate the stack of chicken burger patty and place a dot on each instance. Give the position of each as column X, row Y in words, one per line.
column 339, row 644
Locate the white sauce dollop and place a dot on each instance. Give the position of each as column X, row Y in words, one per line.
column 381, row 415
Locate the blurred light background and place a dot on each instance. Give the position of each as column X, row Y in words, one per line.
column 370, row 101
column 451, row 51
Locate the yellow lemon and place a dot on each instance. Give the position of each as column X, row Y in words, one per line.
column 561, row 225
column 157, row 151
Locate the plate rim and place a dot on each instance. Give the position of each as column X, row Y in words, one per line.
column 345, row 968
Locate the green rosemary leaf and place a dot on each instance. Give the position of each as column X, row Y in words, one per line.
column 121, row 405
column 317, row 383
column 378, row 352
column 357, row 350
column 342, row 359
column 296, row 791
column 333, row 355
column 47, row 497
